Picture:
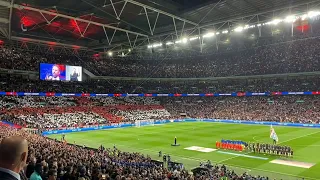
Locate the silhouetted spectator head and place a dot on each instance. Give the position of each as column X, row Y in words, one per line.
column 13, row 153
column 52, row 175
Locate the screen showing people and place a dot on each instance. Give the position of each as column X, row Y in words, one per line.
column 74, row 73
column 59, row 72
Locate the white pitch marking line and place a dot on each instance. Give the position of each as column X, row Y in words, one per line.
column 299, row 137
column 257, row 169
column 254, row 138
column 230, row 165
column 279, row 143
column 293, row 163
column 231, row 157
column 307, row 145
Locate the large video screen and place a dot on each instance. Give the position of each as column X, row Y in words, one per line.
column 60, row 72
column 74, row 73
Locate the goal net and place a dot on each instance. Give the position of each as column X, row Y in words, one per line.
column 140, row 123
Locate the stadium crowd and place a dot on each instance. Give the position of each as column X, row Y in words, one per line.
column 294, row 84
column 94, row 111
column 155, row 114
column 289, row 57
column 36, row 112
column 57, row 121
column 62, row 161
column 269, row 55
column 294, row 109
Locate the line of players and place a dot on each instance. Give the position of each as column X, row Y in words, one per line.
column 270, row 149
column 230, row 145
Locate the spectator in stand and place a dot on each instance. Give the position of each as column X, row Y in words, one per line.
column 275, row 54
column 30, row 167
column 294, row 109
column 52, row 175
column 79, row 161
column 13, row 157
column 38, row 170
column 75, row 162
column 298, row 84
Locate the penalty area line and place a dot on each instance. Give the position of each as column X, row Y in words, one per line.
column 278, row 143
column 228, row 164
column 299, row 137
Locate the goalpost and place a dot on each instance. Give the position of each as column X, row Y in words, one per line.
column 140, row 123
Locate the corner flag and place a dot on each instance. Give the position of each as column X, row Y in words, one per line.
column 273, row 134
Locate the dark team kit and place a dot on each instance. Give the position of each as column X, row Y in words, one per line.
column 270, row 149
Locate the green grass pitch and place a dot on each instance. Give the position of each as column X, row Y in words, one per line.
column 151, row 139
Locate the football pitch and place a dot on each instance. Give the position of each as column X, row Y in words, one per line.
column 200, row 137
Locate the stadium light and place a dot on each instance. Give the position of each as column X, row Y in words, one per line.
column 157, row 45
column 287, row 19
column 290, row 19
column 129, row 50
column 238, row 29
column 303, row 17
column 194, row 38
column 312, row 14
column 184, row 40
column 110, row 53
column 276, row 21
column 209, row 35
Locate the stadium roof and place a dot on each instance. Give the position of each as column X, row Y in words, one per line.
column 114, row 24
